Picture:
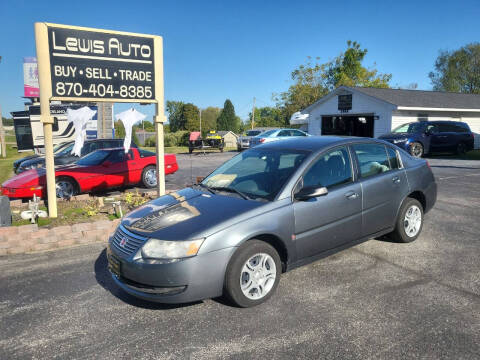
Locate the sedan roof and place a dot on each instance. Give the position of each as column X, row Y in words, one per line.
column 312, row 143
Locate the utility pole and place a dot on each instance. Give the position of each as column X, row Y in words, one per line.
column 2, row 135
column 200, row 122
column 253, row 112
column 2, row 131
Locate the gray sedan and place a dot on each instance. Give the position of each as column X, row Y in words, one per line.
column 266, row 211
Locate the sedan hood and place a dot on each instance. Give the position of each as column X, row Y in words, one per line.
column 186, row 214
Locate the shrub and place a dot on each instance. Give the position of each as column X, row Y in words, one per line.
column 178, row 138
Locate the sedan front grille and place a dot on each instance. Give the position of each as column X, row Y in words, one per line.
column 126, row 242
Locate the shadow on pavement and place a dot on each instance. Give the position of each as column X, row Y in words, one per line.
column 104, row 278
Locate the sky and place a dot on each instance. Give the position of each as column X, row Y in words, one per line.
column 214, row 50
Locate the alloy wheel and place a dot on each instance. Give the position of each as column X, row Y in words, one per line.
column 258, row 275
column 151, row 177
column 412, row 221
column 64, row 189
column 416, row 149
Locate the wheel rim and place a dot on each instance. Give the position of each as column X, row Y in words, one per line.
column 412, row 221
column 151, row 177
column 258, row 276
column 64, row 189
column 417, row 150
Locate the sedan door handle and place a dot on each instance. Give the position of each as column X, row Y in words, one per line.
column 351, row 195
column 396, row 179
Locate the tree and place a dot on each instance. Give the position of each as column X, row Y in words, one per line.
column 267, row 117
column 190, row 116
column 227, row 119
column 209, row 118
column 120, row 132
column 7, row 121
column 458, row 71
column 314, row 80
column 346, row 69
column 174, row 109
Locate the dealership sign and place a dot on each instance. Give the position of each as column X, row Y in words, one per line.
column 30, row 77
column 100, row 65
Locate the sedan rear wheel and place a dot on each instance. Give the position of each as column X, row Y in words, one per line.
column 409, row 222
column 252, row 274
column 416, row 149
column 65, row 188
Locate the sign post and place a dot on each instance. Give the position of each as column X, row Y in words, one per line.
column 92, row 65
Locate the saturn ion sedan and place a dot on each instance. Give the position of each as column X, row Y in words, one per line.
column 268, row 210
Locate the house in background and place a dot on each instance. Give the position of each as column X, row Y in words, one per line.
column 229, row 138
column 371, row 112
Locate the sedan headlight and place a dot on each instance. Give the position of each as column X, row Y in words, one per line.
column 396, row 141
column 161, row 249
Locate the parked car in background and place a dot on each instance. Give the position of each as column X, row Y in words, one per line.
column 56, row 149
column 243, row 141
column 64, row 155
column 267, row 210
column 426, row 137
column 274, row 135
column 100, row 170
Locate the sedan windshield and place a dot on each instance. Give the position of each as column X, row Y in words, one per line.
column 94, row 158
column 410, row 128
column 256, row 173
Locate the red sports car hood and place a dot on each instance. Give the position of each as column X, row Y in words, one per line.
column 27, row 178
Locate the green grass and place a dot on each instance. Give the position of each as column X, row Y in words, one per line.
column 6, row 164
column 471, row 155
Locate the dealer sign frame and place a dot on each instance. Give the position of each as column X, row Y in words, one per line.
column 84, row 64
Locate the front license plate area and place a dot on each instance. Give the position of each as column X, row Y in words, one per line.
column 114, row 265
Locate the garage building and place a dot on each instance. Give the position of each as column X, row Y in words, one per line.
column 371, row 112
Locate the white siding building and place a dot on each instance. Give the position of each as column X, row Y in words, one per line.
column 372, row 112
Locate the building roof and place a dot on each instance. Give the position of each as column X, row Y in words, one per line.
column 422, row 98
column 222, row 133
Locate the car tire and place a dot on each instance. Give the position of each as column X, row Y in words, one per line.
column 461, row 149
column 257, row 265
column 65, row 187
column 416, row 149
column 149, row 177
column 409, row 223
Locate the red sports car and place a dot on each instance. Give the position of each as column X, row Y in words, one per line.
column 100, row 170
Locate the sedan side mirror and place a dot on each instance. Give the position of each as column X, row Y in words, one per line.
column 311, row 192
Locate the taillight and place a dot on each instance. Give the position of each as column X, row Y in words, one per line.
column 428, row 164
column 262, row 140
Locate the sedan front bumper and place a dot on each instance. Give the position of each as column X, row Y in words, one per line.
column 185, row 280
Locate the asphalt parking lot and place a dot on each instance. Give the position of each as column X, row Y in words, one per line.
column 376, row 300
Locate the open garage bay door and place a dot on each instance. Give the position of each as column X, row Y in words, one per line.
column 348, row 125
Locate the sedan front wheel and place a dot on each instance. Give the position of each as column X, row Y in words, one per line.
column 253, row 274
